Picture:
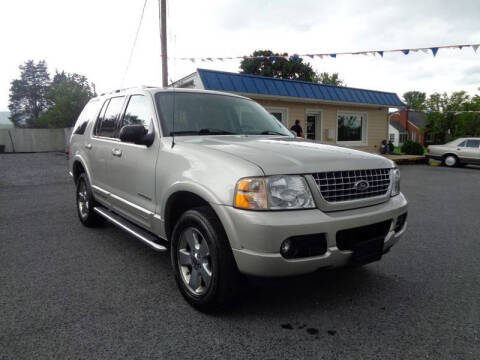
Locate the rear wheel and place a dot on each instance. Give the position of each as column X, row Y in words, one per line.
column 202, row 260
column 450, row 160
column 86, row 203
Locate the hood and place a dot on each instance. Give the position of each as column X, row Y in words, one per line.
column 285, row 155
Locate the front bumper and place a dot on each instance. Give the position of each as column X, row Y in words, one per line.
column 256, row 236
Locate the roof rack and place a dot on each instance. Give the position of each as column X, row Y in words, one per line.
column 116, row 91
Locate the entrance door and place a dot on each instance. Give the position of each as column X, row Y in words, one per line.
column 313, row 126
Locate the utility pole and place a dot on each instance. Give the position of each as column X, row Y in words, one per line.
column 162, row 8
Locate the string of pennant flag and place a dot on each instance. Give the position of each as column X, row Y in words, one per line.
column 434, row 50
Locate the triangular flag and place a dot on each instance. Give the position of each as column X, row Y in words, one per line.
column 221, row 59
column 415, row 50
column 425, row 51
column 209, row 59
column 475, row 47
column 192, row 60
column 405, row 52
column 320, row 56
column 460, row 47
column 380, row 52
column 310, row 56
column 434, row 50
column 333, row 55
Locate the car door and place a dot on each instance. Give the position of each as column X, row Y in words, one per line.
column 132, row 166
column 98, row 147
column 471, row 152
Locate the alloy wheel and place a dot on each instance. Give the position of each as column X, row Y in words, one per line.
column 82, row 200
column 194, row 261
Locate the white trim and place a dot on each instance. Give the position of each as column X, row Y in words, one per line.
column 352, row 143
column 283, row 110
column 314, row 112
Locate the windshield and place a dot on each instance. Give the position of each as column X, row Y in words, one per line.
column 211, row 114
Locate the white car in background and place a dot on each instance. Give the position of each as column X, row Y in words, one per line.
column 457, row 152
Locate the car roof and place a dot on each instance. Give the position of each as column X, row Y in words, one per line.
column 154, row 90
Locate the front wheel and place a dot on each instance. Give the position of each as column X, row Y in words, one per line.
column 450, row 160
column 202, row 260
column 85, row 203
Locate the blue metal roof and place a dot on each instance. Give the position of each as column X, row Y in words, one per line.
column 255, row 84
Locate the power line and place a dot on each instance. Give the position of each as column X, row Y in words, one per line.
column 134, row 42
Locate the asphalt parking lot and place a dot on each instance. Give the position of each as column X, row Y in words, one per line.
column 71, row 292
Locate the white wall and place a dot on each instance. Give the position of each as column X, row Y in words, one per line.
column 392, row 130
column 33, row 140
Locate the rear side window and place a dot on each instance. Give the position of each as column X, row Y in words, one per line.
column 138, row 112
column 473, row 143
column 107, row 120
column 89, row 112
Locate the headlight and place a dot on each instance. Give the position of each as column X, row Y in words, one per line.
column 279, row 192
column 395, row 175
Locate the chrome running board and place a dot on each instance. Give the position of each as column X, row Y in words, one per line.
column 139, row 233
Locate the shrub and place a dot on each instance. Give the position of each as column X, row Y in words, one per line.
column 391, row 148
column 412, row 148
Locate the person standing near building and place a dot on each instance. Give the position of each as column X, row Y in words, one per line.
column 297, row 128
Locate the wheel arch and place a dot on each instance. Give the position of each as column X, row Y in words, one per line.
column 177, row 203
column 78, row 166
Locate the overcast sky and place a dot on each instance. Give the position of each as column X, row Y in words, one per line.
column 94, row 38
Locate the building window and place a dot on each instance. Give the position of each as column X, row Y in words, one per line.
column 392, row 137
column 280, row 113
column 414, row 136
column 402, row 138
column 352, row 128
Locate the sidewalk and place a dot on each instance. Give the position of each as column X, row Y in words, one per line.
column 407, row 159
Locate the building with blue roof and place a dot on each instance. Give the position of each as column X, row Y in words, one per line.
column 329, row 114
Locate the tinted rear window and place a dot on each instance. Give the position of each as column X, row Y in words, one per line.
column 107, row 120
column 88, row 113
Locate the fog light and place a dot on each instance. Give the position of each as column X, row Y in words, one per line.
column 286, row 246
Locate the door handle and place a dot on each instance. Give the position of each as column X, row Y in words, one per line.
column 88, row 146
column 117, row 152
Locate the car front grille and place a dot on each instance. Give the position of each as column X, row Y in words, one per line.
column 336, row 186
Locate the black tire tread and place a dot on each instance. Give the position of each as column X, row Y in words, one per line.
column 228, row 283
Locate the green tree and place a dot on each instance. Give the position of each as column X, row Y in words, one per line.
column 27, row 94
column 268, row 63
column 329, row 79
column 66, row 97
column 447, row 116
column 415, row 100
column 275, row 66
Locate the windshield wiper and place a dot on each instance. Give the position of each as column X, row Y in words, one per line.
column 187, row 132
column 215, row 132
column 270, row 132
column 203, row 132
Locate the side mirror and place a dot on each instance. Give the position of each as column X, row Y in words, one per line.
column 294, row 133
column 136, row 134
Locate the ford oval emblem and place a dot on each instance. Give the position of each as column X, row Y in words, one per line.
column 361, row 185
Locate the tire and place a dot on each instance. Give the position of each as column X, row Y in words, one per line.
column 85, row 203
column 212, row 256
column 450, row 160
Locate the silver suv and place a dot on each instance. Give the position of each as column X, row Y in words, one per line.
column 218, row 181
